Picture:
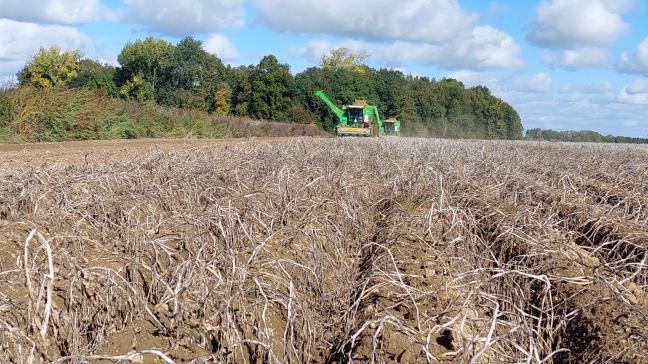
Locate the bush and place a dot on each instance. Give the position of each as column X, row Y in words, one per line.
column 6, row 110
column 59, row 114
column 298, row 114
column 127, row 129
column 117, row 125
column 198, row 127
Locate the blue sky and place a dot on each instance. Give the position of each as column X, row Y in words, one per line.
column 563, row 64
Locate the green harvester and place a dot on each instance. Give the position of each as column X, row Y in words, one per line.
column 360, row 119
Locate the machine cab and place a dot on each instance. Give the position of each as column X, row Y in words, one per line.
column 356, row 116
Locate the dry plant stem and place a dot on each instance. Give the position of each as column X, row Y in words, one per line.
column 50, row 279
column 117, row 358
column 351, row 250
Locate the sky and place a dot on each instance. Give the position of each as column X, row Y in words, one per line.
column 563, row 64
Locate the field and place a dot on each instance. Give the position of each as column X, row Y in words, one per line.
column 324, row 250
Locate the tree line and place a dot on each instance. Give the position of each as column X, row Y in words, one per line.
column 586, row 136
column 184, row 75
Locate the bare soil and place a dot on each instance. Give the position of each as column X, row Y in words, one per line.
column 323, row 250
column 80, row 151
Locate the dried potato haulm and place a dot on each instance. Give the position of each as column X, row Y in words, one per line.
column 327, row 250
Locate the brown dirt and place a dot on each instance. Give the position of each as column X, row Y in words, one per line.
column 119, row 149
column 324, row 250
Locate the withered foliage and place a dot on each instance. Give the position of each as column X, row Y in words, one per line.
column 331, row 250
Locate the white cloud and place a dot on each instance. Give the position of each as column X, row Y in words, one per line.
column 636, row 99
column 582, row 58
column 639, row 86
column 605, row 113
column 571, row 24
column 572, row 98
column 221, row 46
column 574, row 106
column 185, row 17
column 596, row 88
column 472, row 78
column 635, row 93
column 8, row 70
column 636, row 62
column 485, row 47
column 571, row 106
column 429, row 21
column 426, row 32
column 538, row 83
column 53, row 11
column 19, row 41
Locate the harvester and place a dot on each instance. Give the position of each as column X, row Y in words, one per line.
column 360, row 119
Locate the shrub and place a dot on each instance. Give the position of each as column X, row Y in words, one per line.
column 6, row 109
column 117, row 125
column 58, row 114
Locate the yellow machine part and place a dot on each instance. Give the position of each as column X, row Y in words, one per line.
column 342, row 131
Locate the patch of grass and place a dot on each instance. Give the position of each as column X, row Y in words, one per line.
column 4, row 135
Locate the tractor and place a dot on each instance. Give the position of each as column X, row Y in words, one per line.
column 360, row 119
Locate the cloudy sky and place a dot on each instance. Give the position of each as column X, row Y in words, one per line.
column 563, row 64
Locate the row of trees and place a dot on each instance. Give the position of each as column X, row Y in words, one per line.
column 580, row 136
column 184, row 75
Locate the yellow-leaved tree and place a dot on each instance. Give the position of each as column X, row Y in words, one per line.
column 343, row 58
column 223, row 100
column 51, row 67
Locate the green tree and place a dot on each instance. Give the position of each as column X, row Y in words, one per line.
column 265, row 91
column 144, row 64
column 396, row 95
column 50, row 67
column 138, row 89
column 424, row 106
column 189, row 62
column 195, row 75
column 304, row 87
column 513, row 122
column 243, row 90
column 96, row 76
column 580, row 136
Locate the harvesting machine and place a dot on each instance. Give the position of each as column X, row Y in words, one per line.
column 360, row 119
